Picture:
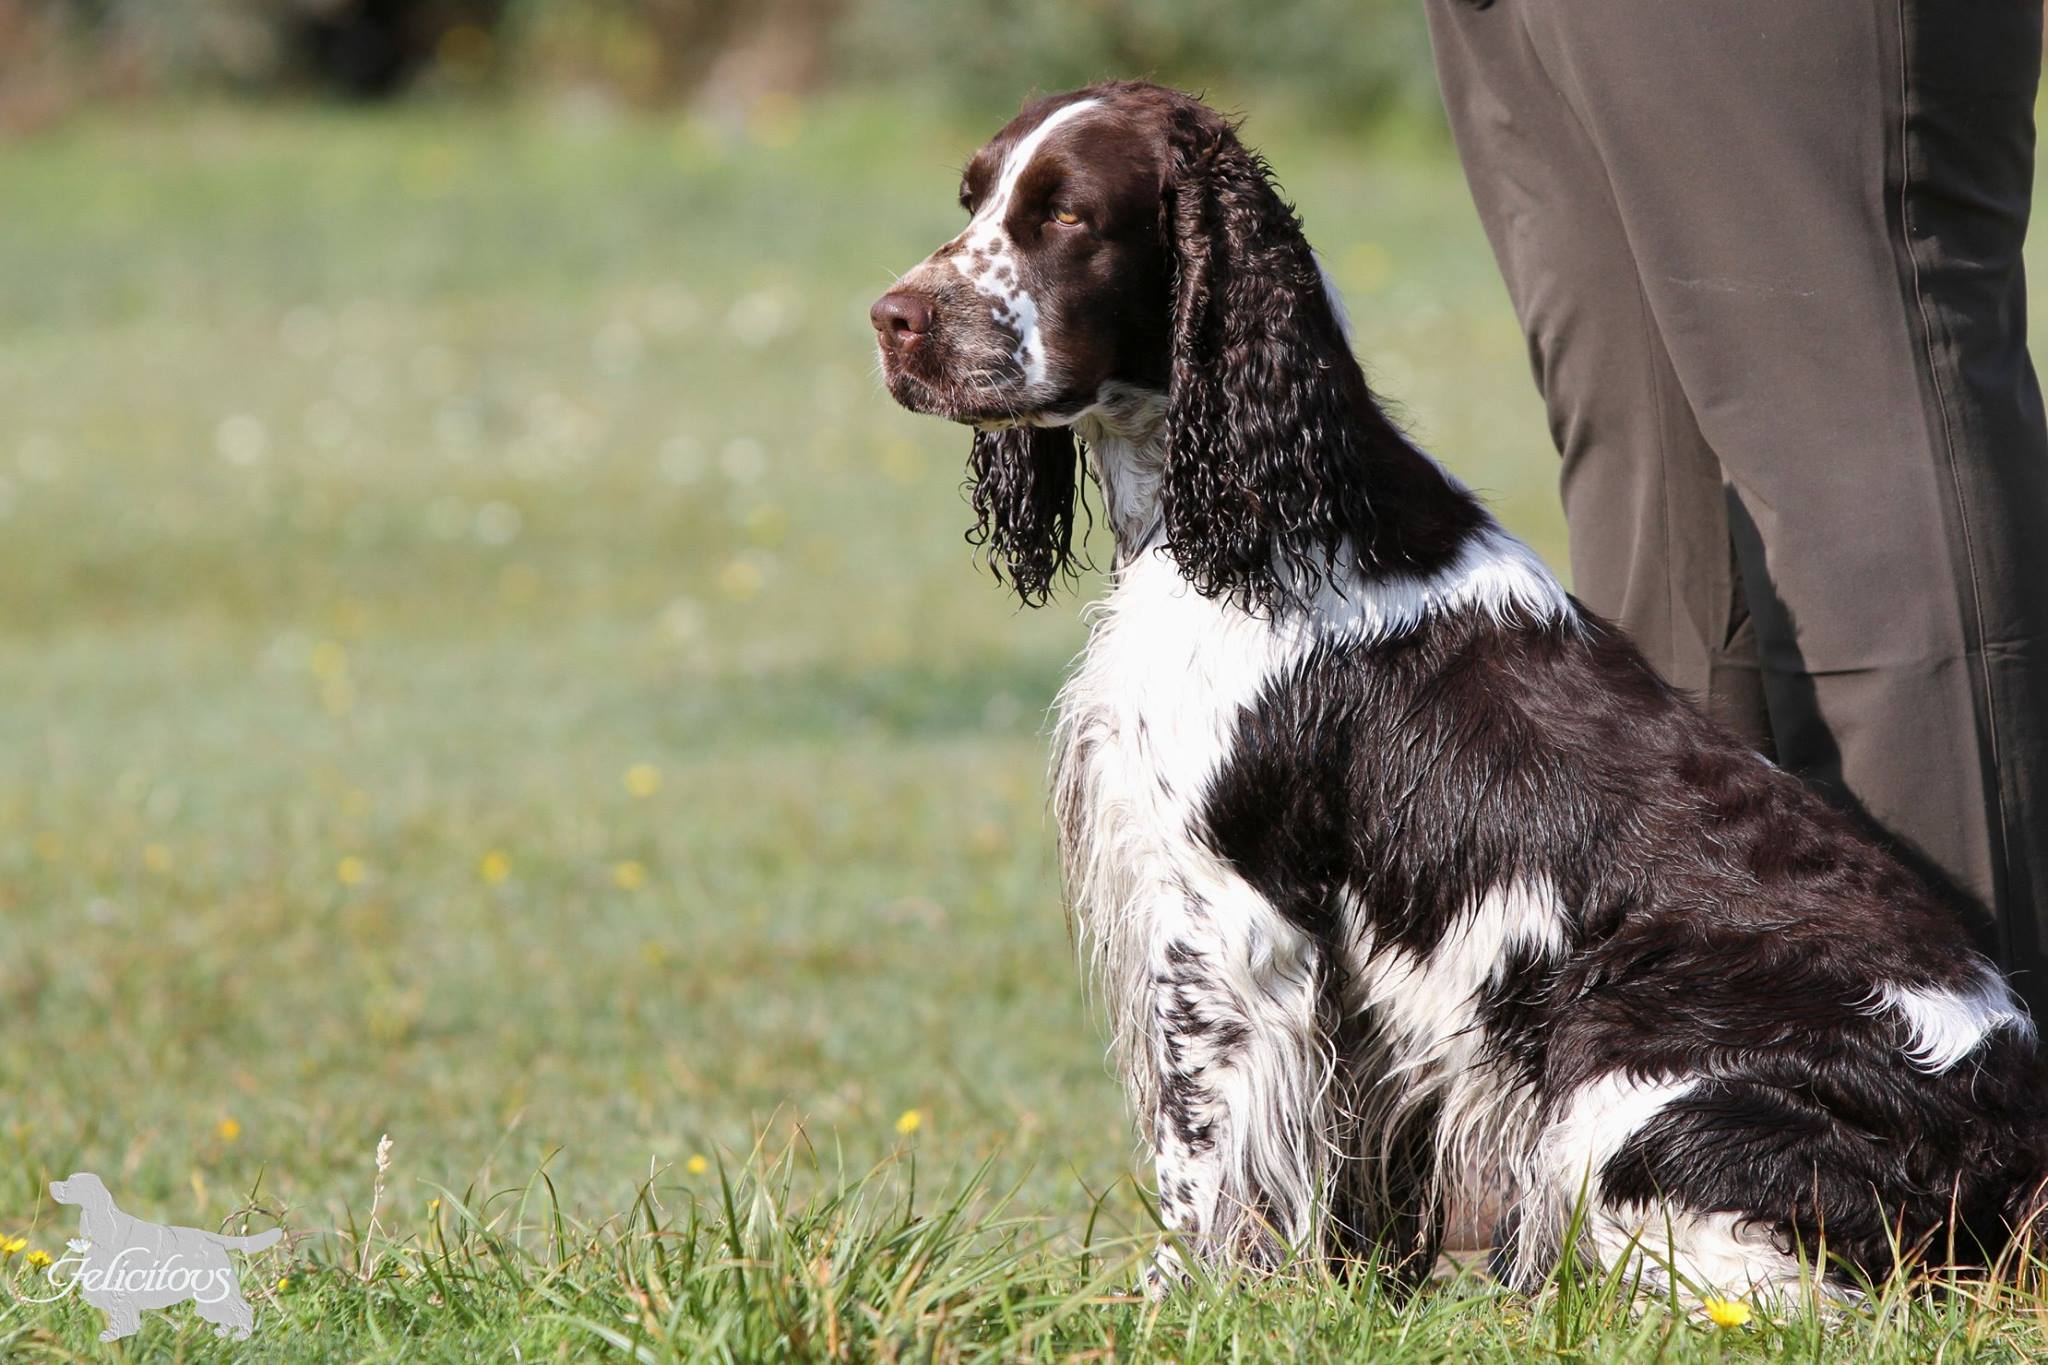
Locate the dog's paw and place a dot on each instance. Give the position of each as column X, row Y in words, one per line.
column 1164, row 1273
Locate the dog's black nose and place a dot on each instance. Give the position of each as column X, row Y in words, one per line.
column 900, row 317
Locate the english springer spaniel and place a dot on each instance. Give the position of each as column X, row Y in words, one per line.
column 1394, row 862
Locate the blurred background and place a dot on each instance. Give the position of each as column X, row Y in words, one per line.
column 719, row 55
column 484, row 661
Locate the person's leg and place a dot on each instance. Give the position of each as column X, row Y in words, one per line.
column 1643, row 495
column 1644, row 498
column 1825, row 205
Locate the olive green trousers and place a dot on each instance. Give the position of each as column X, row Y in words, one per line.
column 1767, row 257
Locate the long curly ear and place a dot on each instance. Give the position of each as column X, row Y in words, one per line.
column 1266, row 408
column 1024, row 485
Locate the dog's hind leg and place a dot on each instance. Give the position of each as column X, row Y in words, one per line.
column 124, row 1319
column 230, row 1315
column 1234, row 1086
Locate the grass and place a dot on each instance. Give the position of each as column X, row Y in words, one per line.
column 487, row 665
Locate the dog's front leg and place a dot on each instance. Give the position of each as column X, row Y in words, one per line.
column 1232, row 1079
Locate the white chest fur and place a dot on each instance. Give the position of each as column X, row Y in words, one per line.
column 1144, row 723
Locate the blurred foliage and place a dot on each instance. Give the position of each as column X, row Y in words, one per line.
column 1348, row 59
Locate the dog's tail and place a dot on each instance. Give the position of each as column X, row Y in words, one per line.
column 258, row 1242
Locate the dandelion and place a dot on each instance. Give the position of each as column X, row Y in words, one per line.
column 328, row 660
column 157, row 858
column 697, row 1165
column 629, row 875
column 494, row 867
column 643, row 780
column 228, row 1129
column 284, row 1283
column 38, row 1258
column 741, row 580
column 351, row 871
column 1726, row 1312
column 909, row 1121
column 13, row 1246
column 767, row 524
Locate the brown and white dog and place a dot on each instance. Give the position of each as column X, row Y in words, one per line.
column 1394, row 862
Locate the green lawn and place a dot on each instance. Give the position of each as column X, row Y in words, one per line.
column 485, row 663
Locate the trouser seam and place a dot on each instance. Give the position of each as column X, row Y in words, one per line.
column 1973, row 648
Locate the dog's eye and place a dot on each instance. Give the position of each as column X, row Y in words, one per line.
column 1066, row 217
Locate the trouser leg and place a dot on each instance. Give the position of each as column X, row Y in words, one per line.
column 1825, row 205
column 1644, row 497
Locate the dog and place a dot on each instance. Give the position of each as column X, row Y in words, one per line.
column 1397, row 868
column 129, row 1265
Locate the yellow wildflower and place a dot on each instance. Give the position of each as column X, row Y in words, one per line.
column 10, row 1246
column 696, row 1165
column 328, row 660
column 434, row 1207
column 909, row 1121
column 156, row 857
column 229, row 1129
column 1726, row 1312
column 629, row 875
column 643, row 780
column 351, row 871
column 284, row 1282
column 741, row 580
column 38, row 1258
column 494, row 867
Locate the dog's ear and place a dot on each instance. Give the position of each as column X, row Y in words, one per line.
column 1262, row 484
column 1024, row 483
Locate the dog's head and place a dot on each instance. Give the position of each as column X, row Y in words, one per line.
column 84, row 1190
column 1124, row 248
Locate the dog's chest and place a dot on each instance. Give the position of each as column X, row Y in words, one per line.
column 1146, row 721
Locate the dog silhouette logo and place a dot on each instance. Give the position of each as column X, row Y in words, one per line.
column 123, row 1265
